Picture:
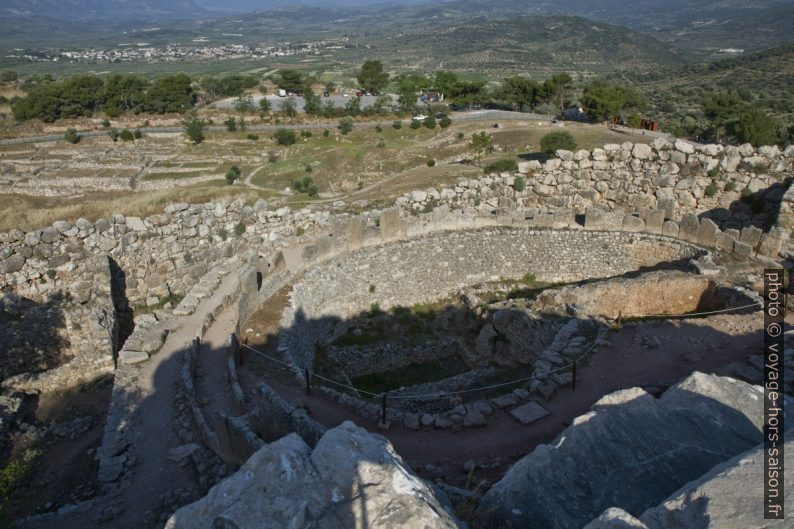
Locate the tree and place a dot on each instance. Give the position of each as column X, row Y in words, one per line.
column 353, row 107
column 231, row 124
column 125, row 93
column 382, row 104
column 371, row 77
column 289, row 80
column 556, row 88
column 520, row 92
column 233, row 174
column 289, row 107
column 114, row 134
column 480, row 143
column 71, row 136
column 721, row 108
column 755, row 126
column 445, row 122
column 194, row 128
column 345, row 125
column 602, row 100
column 330, row 87
column 8, row 76
column 312, row 104
column 553, row 141
column 264, row 105
column 173, row 93
column 244, row 103
column 430, row 122
column 285, row 137
column 126, row 135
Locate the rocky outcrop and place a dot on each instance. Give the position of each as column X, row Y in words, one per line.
column 351, row 479
column 630, row 451
column 728, row 497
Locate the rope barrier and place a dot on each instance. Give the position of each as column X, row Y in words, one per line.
column 493, row 386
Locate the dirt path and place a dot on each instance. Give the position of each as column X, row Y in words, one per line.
column 212, row 388
column 677, row 349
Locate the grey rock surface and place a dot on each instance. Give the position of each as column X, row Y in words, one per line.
column 351, row 479
column 730, row 496
column 631, row 451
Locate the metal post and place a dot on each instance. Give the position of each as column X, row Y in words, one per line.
column 308, row 381
column 573, row 380
column 242, row 351
column 383, row 409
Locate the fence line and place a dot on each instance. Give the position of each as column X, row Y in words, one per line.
column 571, row 365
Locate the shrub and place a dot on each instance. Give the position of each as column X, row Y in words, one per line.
column 231, row 124
column 520, row 184
column 300, row 231
column 285, row 137
column 378, row 128
column 232, row 175
column 71, row 136
column 445, row 122
column 397, row 125
column 105, row 123
column 137, row 134
column 713, row 173
column 553, row 141
column 326, row 133
column 194, row 128
column 430, row 122
column 308, row 168
column 529, row 279
column 431, row 162
column 306, row 185
column 253, row 137
column 381, row 143
column 416, row 124
column 346, row 125
column 239, row 229
column 461, row 135
column 505, row 165
column 730, row 186
column 306, row 134
column 114, row 134
column 711, row 189
column 223, row 234
column 271, row 156
column 126, row 135
column 760, row 168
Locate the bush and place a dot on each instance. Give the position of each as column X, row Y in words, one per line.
column 416, row 124
column 194, row 128
column 231, row 124
column 381, row 143
column 306, row 134
column 346, row 125
column 306, row 185
column 520, row 184
column 223, row 234
column 126, row 135
column 378, row 128
column 71, row 136
column 554, row 141
column 730, row 186
column 105, row 124
column 713, row 173
column 445, row 122
column 326, row 133
column 429, row 122
column 253, row 137
column 711, row 189
column 239, row 229
column 137, row 134
column 285, row 137
column 308, row 168
column 271, row 156
column 232, row 175
column 397, row 125
column 431, row 162
column 114, row 134
column 506, row 165
column 461, row 135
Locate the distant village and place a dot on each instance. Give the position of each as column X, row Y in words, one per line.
column 143, row 51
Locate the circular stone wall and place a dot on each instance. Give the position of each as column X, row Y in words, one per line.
column 429, row 268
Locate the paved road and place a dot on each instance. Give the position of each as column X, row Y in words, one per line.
column 477, row 115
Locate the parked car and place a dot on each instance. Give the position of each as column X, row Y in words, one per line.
column 420, row 117
column 281, row 92
column 345, row 95
column 360, row 93
column 325, row 94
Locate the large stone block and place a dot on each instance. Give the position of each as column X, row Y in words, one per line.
column 707, row 235
column 632, row 223
column 670, row 228
column 751, row 236
column 391, row 225
column 654, row 223
column 689, row 228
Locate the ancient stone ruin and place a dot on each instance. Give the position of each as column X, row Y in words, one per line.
column 455, row 312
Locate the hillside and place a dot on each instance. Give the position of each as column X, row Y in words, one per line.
column 115, row 10
column 765, row 77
